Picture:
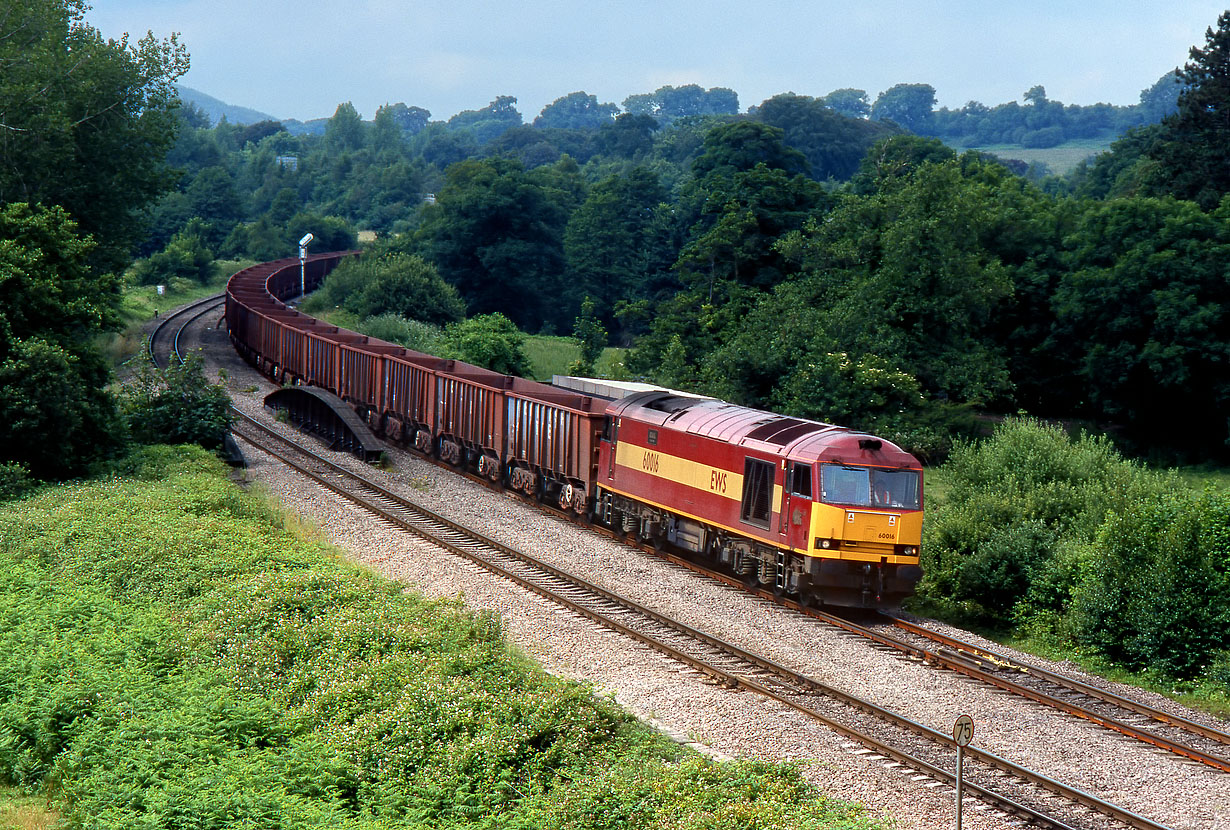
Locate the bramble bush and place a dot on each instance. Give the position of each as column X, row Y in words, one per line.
column 413, row 334
column 170, row 656
column 176, row 405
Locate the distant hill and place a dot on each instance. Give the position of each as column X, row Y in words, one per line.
column 216, row 109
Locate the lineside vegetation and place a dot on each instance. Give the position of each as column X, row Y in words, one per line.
column 171, row 655
column 1066, row 542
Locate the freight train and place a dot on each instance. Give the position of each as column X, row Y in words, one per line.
column 822, row 513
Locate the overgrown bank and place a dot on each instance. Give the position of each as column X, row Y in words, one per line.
column 1066, row 543
column 170, row 655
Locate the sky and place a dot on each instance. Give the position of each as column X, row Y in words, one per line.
column 301, row 58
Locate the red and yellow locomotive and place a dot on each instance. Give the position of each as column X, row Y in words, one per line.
column 806, row 508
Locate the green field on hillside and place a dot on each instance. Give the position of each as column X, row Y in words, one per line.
column 1060, row 160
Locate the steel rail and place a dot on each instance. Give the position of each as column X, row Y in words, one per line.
column 797, row 682
column 1075, row 684
column 969, row 668
column 153, row 356
column 952, row 662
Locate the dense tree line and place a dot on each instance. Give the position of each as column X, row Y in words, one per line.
column 85, row 126
column 810, row 256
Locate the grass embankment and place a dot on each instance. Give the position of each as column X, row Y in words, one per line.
column 172, row 655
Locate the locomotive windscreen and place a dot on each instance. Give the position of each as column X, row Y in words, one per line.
column 870, row 487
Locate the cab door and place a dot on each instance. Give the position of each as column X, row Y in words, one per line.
column 796, row 517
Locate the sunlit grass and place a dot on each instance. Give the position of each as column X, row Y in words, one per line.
column 1206, row 476
column 553, row 355
column 25, row 812
column 1061, row 160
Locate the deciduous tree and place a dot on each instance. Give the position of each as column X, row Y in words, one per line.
column 907, row 105
column 85, row 122
column 576, row 111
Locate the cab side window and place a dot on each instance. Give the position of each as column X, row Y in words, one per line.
column 800, row 480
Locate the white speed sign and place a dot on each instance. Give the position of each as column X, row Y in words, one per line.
column 963, row 730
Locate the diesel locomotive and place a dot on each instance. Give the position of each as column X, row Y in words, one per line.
column 823, row 513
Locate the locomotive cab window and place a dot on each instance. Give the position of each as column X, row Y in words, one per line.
column 608, row 428
column 870, row 487
column 800, row 480
column 757, row 491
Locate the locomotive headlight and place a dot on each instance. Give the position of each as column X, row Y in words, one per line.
column 824, row 544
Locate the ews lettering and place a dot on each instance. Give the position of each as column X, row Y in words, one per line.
column 717, row 481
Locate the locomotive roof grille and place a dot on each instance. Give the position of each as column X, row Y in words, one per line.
column 782, row 431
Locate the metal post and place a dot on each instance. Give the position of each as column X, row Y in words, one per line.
column 962, row 734
column 960, row 764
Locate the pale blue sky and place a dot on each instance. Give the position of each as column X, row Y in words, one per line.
column 301, row 58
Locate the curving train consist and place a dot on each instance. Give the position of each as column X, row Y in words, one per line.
column 817, row 511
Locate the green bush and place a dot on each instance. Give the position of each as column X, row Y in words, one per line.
column 393, row 283
column 1157, row 594
column 413, row 334
column 487, row 340
column 1003, row 567
column 1042, row 139
column 15, row 480
column 1014, row 500
column 1067, row 540
column 176, row 405
column 185, row 258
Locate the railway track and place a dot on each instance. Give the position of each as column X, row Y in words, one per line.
column 1135, row 719
column 164, row 340
column 880, row 732
column 1194, row 741
column 1138, row 720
